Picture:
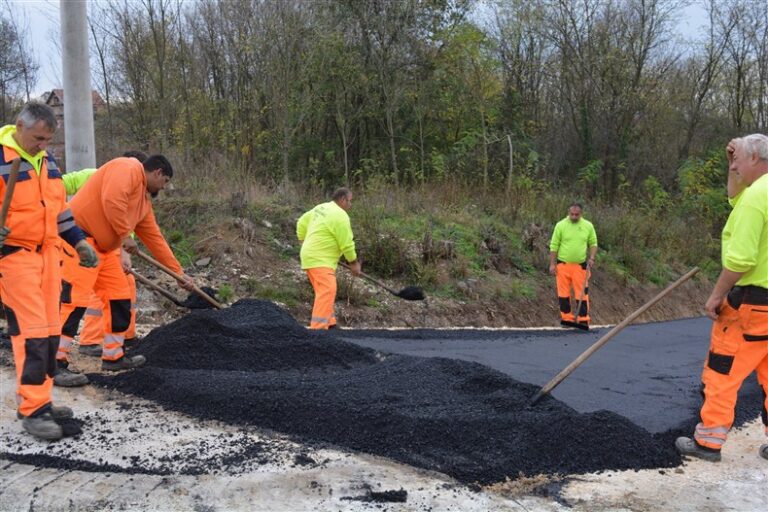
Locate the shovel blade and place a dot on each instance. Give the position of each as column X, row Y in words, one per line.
column 411, row 293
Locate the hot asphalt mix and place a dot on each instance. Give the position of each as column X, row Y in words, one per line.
column 253, row 365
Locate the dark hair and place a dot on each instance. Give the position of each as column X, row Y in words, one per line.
column 576, row 205
column 134, row 153
column 155, row 162
column 34, row 112
column 340, row 193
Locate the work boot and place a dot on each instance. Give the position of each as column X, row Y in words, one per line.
column 763, row 451
column 124, row 363
column 689, row 447
column 90, row 350
column 68, row 378
column 58, row 413
column 43, row 426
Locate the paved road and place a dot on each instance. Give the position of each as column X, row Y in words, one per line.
column 648, row 373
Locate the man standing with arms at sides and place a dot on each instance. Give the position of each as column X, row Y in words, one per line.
column 738, row 304
column 38, row 218
column 113, row 203
column 325, row 233
column 572, row 238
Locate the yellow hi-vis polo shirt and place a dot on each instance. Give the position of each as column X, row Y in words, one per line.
column 570, row 240
column 327, row 234
column 745, row 235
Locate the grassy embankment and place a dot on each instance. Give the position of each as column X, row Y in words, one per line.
column 454, row 241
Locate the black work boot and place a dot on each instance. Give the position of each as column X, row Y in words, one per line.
column 43, row 426
column 67, row 377
column 689, row 447
column 58, row 413
column 124, row 363
column 763, row 451
column 90, row 350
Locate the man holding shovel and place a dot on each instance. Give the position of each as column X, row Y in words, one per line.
column 738, row 304
column 30, row 236
column 113, row 203
column 572, row 238
column 325, row 233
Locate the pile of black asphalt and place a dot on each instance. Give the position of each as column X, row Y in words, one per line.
column 251, row 364
column 195, row 301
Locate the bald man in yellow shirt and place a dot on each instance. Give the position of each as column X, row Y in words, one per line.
column 325, row 233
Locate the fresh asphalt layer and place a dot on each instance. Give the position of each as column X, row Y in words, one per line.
column 648, row 373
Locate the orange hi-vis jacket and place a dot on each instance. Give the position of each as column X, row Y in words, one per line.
column 32, row 226
column 114, row 203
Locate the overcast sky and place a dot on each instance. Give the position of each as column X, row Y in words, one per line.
column 42, row 17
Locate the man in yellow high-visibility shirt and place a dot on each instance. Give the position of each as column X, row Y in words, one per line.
column 572, row 238
column 738, row 304
column 325, row 233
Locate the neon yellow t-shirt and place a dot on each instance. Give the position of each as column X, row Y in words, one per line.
column 327, row 234
column 74, row 181
column 570, row 240
column 745, row 235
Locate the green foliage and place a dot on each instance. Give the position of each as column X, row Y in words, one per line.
column 225, row 292
column 703, row 189
column 182, row 247
column 288, row 294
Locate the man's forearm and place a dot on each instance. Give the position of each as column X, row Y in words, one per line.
column 726, row 281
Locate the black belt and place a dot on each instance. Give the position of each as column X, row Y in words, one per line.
column 7, row 250
column 755, row 295
column 582, row 265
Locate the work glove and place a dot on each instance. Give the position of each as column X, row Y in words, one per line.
column 4, row 232
column 87, row 255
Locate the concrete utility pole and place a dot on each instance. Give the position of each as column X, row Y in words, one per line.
column 79, row 143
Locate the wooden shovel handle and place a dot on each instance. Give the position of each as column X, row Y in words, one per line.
column 12, row 177
column 195, row 288
column 369, row 278
column 549, row 386
column 154, row 286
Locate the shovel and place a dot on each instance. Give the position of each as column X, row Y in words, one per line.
column 407, row 293
column 157, row 288
column 12, row 177
column 549, row 386
column 195, row 288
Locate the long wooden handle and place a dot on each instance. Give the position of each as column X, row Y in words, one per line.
column 12, row 177
column 156, row 287
column 583, row 293
column 369, row 278
column 197, row 290
column 610, row 334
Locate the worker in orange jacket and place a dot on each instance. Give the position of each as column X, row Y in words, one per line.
column 113, row 203
column 38, row 219
column 738, row 304
column 92, row 334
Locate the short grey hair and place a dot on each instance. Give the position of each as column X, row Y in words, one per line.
column 757, row 143
column 35, row 112
column 340, row 193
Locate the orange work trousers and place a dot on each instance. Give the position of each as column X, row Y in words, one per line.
column 30, row 283
column 108, row 281
column 739, row 346
column 571, row 281
column 93, row 326
column 323, row 281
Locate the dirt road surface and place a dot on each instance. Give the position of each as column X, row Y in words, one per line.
column 163, row 460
